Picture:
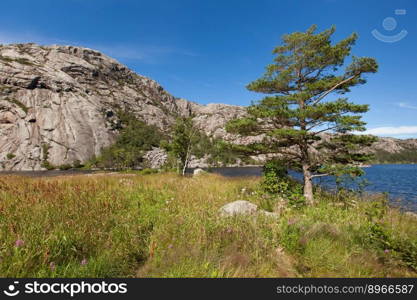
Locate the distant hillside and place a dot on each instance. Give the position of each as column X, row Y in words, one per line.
column 390, row 150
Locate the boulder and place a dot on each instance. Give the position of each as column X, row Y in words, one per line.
column 240, row 207
column 245, row 208
column 411, row 214
column 198, row 171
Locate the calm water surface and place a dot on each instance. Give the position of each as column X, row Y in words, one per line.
column 399, row 181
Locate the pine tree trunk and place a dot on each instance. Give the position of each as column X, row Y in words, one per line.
column 308, row 185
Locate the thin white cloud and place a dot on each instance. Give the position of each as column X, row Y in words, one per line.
column 144, row 53
column 22, row 37
column 393, row 131
column 406, row 105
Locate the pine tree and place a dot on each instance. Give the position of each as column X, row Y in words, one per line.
column 299, row 109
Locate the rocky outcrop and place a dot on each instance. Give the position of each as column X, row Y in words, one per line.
column 155, row 158
column 392, row 145
column 59, row 103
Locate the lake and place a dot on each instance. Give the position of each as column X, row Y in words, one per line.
column 399, row 181
column 50, row 173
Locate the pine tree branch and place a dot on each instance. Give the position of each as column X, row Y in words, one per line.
column 293, row 154
column 319, row 175
column 323, row 130
column 333, row 88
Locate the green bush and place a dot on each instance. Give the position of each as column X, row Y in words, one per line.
column 403, row 156
column 65, row 167
column 10, row 156
column 134, row 139
column 275, row 181
column 384, row 239
column 275, row 177
column 45, row 155
column 47, row 165
column 148, row 171
column 76, row 164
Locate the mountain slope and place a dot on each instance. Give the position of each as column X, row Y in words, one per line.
column 390, row 150
column 65, row 98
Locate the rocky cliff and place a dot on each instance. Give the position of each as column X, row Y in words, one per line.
column 59, row 103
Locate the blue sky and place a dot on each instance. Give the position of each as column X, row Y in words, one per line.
column 207, row 51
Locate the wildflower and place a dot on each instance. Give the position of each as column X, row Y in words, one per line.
column 279, row 250
column 19, row 243
column 170, row 246
column 386, row 250
column 229, row 230
column 84, row 262
column 292, row 221
column 52, row 266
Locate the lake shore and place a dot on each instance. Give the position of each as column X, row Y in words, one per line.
column 398, row 180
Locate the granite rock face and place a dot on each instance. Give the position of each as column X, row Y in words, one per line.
column 155, row 158
column 392, row 145
column 59, row 103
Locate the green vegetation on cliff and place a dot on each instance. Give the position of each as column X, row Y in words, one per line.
column 134, row 139
column 406, row 156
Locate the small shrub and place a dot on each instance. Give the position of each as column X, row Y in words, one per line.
column 45, row 154
column 77, row 164
column 148, row 171
column 19, row 104
column 65, row 167
column 10, row 156
column 276, row 181
column 47, row 165
column 384, row 239
column 134, row 139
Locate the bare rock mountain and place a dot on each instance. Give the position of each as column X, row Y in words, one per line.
column 392, row 145
column 58, row 103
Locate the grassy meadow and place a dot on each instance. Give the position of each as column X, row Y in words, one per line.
column 164, row 225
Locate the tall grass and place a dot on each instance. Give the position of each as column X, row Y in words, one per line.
column 164, row 225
